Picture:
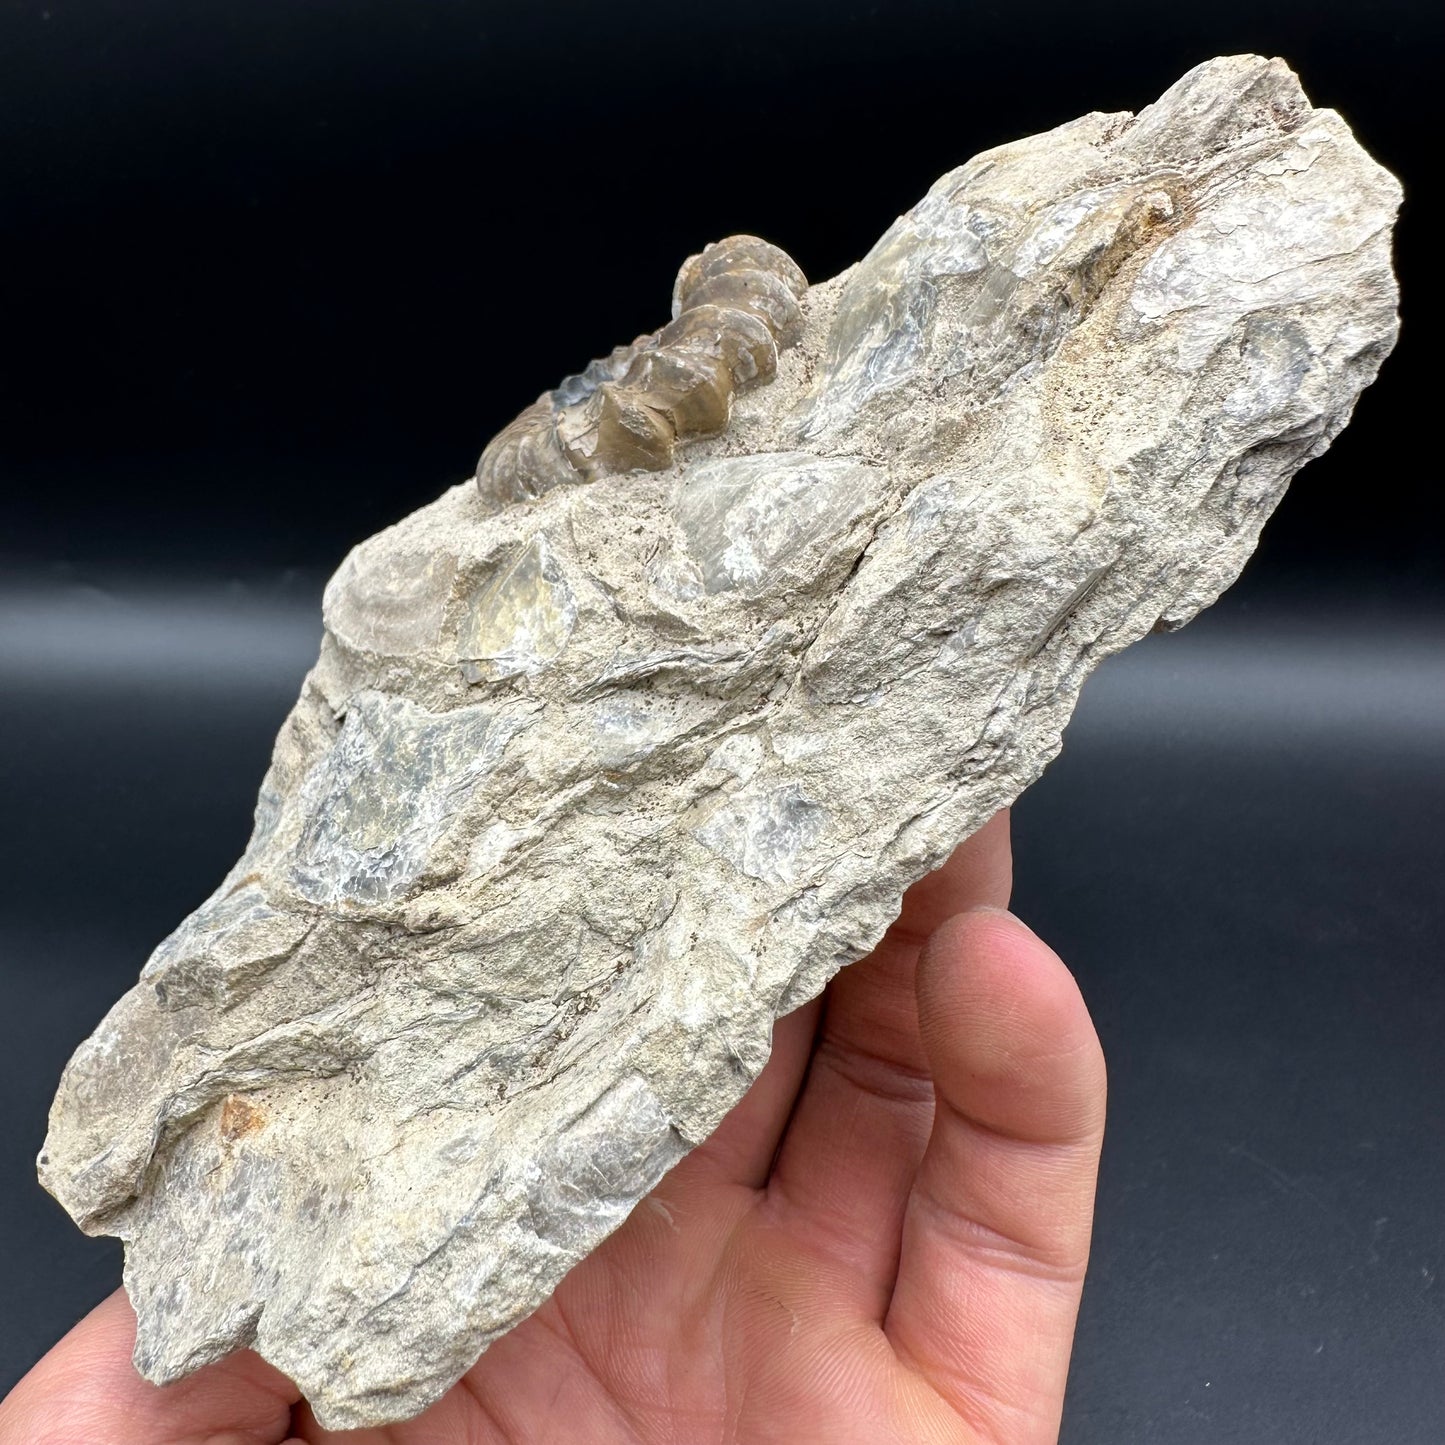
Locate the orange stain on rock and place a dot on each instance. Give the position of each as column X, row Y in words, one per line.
column 240, row 1117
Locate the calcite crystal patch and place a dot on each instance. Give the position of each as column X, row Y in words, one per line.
column 623, row 749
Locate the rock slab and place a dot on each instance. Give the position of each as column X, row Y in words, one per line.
column 587, row 788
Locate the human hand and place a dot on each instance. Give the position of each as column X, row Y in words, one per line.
column 883, row 1243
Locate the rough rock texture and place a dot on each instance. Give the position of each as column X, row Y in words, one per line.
column 584, row 790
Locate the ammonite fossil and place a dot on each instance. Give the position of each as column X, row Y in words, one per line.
column 734, row 306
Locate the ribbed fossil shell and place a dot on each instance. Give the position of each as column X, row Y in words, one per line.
column 734, row 305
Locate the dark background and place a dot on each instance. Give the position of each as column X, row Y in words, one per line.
column 274, row 272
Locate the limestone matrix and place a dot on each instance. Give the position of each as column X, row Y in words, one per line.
column 614, row 758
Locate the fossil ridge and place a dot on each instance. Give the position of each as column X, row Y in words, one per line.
column 601, row 770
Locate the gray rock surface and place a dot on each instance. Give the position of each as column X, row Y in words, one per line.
column 586, row 789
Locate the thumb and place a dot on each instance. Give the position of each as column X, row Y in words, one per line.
column 86, row 1389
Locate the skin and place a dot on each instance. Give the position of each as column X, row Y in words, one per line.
column 884, row 1242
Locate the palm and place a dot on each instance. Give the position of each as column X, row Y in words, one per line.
column 834, row 1264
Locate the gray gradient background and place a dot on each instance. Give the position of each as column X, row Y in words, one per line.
column 274, row 273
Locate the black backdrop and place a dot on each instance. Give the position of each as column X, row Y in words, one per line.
column 272, row 273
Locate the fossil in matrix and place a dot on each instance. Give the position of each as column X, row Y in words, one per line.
column 734, row 306
column 623, row 749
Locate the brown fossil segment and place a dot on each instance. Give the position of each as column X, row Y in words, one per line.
column 737, row 253
column 734, row 305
